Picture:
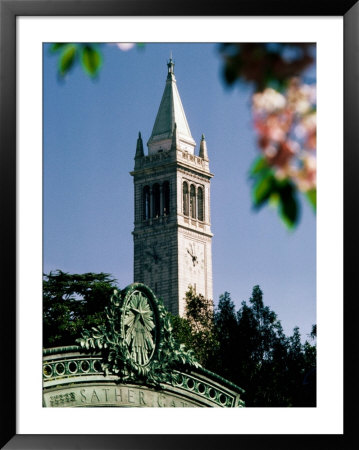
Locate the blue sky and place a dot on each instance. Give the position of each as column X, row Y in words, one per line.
column 90, row 133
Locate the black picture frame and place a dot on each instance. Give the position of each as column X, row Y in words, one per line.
column 9, row 10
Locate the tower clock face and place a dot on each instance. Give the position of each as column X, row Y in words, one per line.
column 195, row 257
column 153, row 254
column 155, row 258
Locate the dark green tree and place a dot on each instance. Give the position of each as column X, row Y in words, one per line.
column 249, row 348
column 226, row 331
column 308, row 391
column 262, row 347
column 71, row 303
column 256, row 354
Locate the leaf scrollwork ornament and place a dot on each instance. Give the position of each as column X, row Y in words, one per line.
column 136, row 339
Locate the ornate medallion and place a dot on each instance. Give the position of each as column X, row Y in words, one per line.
column 139, row 328
column 136, row 339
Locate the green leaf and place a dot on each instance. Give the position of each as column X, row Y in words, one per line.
column 274, row 199
column 91, row 60
column 312, row 198
column 288, row 207
column 57, row 46
column 263, row 189
column 258, row 166
column 67, row 59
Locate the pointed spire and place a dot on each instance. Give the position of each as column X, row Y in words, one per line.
column 170, row 112
column 203, row 148
column 139, row 147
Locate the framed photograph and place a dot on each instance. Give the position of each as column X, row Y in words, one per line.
column 81, row 87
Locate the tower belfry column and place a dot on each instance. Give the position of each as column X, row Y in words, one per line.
column 173, row 243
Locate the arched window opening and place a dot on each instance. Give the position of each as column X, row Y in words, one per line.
column 200, row 214
column 193, row 201
column 185, row 199
column 146, row 202
column 166, row 198
column 156, row 200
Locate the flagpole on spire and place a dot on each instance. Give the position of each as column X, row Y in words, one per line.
column 170, row 66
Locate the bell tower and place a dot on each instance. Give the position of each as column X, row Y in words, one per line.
column 172, row 226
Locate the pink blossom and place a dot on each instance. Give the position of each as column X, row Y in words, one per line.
column 286, row 128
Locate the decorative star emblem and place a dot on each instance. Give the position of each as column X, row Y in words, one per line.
column 139, row 327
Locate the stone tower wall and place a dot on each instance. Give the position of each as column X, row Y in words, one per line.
column 172, row 251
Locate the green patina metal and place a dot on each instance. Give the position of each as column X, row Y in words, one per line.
column 134, row 347
column 70, row 369
column 136, row 341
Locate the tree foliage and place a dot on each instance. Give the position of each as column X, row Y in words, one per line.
column 70, row 54
column 197, row 329
column 249, row 348
column 71, row 303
